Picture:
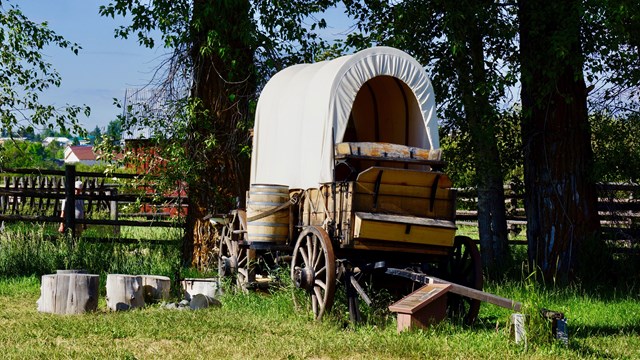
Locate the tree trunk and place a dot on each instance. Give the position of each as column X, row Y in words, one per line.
column 224, row 82
column 481, row 119
column 560, row 196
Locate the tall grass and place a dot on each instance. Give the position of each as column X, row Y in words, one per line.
column 31, row 250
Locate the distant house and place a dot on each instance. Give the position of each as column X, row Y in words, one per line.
column 5, row 139
column 60, row 140
column 80, row 154
column 137, row 141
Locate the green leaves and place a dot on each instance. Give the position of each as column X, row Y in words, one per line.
column 24, row 74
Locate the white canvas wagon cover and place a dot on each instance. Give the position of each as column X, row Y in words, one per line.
column 379, row 94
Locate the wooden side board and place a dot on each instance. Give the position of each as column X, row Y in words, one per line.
column 406, row 177
column 405, row 192
column 403, row 229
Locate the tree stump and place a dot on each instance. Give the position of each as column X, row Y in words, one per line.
column 155, row 288
column 71, row 271
column 199, row 301
column 68, row 293
column 124, row 292
column 194, row 286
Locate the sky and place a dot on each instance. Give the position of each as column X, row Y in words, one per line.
column 105, row 66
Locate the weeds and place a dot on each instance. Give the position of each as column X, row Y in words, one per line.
column 31, row 251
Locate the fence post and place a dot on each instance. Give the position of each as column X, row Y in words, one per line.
column 70, row 198
column 113, row 211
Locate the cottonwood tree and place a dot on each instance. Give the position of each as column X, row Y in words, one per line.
column 466, row 45
column 560, row 191
column 560, row 43
column 219, row 54
column 25, row 74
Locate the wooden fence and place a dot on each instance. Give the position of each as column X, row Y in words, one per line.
column 34, row 195
column 618, row 207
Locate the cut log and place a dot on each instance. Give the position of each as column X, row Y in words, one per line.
column 194, row 286
column 518, row 328
column 71, row 293
column 124, row 292
column 71, row 271
column 199, row 301
column 155, row 288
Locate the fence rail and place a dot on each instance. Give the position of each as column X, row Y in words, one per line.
column 618, row 208
column 34, row 195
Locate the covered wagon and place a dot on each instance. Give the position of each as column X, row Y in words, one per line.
column 347, row 181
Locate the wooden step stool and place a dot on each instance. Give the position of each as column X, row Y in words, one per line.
column 423, row 307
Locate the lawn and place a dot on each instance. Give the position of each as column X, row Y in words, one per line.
column 261, row 326
column 604, row 319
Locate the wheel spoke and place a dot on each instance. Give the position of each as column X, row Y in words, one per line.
column 311, row 244
column 228, row 244
column 321, row 298
column 314, row 304
column 318, row 258
column 321, row 284
column 242, row 272
column 321, row 270
column 242, row 261
column 305, row 259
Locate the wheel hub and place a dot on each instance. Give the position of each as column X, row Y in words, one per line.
column 229, row 265
column 304, row 278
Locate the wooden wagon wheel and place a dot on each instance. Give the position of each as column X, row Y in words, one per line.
column 313, row 268
column 463, row 267
column 233, row 259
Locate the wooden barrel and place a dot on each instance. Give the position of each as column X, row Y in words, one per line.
column 273, row 228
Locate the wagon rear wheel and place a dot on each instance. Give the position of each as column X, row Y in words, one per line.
column 463, row 267
column 313, row 269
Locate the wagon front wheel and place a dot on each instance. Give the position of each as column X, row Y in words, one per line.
column 464, row 267
column 233, row 259
column 313, row 269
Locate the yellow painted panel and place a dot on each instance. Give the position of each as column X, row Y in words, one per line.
column 408, row 177
column 404, row 233
column 442, row 209
column 404, row 190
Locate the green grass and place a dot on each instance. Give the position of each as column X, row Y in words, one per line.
column 259, row 326
column 30, row 251
column 604, row 320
